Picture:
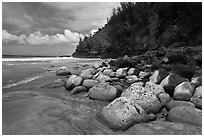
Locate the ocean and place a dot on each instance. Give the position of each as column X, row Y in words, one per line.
column 22, row 69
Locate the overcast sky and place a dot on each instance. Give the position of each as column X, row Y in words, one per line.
column 50, row 28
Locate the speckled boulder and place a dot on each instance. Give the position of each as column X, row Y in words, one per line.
column 73, row 81
column 63, row 71
column 122, row 114
column 184, row 91
column 158, row 76
column 196, row 99
column 155, row 88
column 144, row 97
column 102, row 91
column 186, row 114
column 174, row 103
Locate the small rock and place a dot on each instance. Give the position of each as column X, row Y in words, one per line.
column 197, row 81
column 121, row 73
column 186, row 114
column 103, row 78
column 132, row 79
column 63, row 71
column 133, row 71
column 164, row 98
column 112, row 74
column 88, row 73
column 151, row 117
column 171, row 81
column 122, row 114
column 143, row 74
column 102, row 91
column 56, row 84
column 73, row 81
column 79, row 89
column 107, row 71
column 162, row 115
column 196, row 99
column 174, row 103
column 89, row 83
column 184, row 91
column 158, row 76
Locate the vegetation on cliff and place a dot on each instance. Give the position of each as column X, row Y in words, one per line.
column 135, row 28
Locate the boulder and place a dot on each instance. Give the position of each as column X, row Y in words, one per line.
column 144, row 97
column 158, row 75
column 156, row 89
column 73, row 81
column 63, row 71
column 103, row 78
column 79, row 89
column 174, row 103
column 171, row 81
column 56, row 84
column 133, row 71
column 107, row 71
column 184, row 91
column 89, row 83
column 102, row 91
column 164, row 98
column 88, row 73
column 185, row 114
column 197, row 81
column 121, row 73
column 196, row 99
column 122, row 114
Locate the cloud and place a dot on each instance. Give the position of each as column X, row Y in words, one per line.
column 37, row 38
column 7, row 37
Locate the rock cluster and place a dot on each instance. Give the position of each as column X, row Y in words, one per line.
column 142, row 93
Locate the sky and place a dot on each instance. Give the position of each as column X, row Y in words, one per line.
column 50, row 28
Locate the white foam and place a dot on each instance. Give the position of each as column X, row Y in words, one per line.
column 36, row 59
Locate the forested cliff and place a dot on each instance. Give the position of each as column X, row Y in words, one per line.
column 135, row 28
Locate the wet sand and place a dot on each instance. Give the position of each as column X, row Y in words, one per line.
column 30, row 109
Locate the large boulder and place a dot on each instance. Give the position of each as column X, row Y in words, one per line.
column 102, row 91
column 144, row 97
column 88, row 73
column 196, row 99
column 184, row 91
column 63, row 71
column 175, row 103
column 79, row 89
column 73, row 81
column 171, row 81
column 186, row 114
column 89, row 83
column 121, row 73
column 122, row 114
column 158, row 75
